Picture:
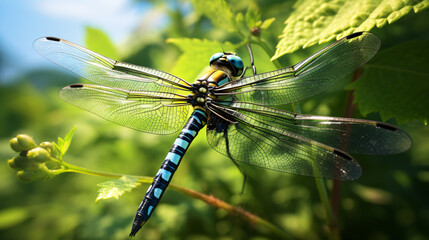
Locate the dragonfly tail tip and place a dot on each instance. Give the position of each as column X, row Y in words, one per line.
column 137, row 224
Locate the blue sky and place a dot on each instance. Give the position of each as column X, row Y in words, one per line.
column 23, row 21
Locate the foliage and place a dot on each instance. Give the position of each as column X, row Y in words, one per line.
column 115, row 188
column 400, row 75
column 315, row 22
column 391, row 191
column 64, row 144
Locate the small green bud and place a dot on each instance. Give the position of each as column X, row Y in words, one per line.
column 26, row 141
column 28, row 176
column 47, row 145
column 38, row 154
column 16, row 146
column 12, row 164
column 51, row 148
column 25, row 163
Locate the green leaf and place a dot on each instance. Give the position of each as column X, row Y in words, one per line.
column 396, row 83
column 196, row 55
column 57, row 147
column 61, row 146
column 99, row 42
column 267, row 23
column 115, row 188
column 219, row 13
column 320, row 21
column 67, row 139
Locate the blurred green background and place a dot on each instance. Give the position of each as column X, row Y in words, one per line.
column 389, row 201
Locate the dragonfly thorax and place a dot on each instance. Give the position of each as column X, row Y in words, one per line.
column 224, row 67
column 203, row 87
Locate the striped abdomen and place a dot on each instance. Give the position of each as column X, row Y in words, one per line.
column 160, row 182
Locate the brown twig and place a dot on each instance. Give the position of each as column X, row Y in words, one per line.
column 336, row 189
column 237, row 211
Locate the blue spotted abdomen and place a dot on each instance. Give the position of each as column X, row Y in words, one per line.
column 160, row 182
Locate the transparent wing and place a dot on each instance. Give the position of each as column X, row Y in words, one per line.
column 311, row 76
column 105, row 71
column 261, row 144
column 355, row 136
column 159, row 113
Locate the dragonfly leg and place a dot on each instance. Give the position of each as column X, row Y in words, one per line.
column 251, row 59
column 244, row 72
column 225, row 133
column 242, row 173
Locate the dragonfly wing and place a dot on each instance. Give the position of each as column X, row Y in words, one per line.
column 158, row 113
column 105, row 71
column 257, row 143
column 355, row 136
column 311, row 76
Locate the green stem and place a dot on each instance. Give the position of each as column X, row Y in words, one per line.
column 76, row 169
column 267, row 50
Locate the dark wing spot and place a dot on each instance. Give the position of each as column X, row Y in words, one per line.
column 353, row 35
column 76, row 86
column 343, row 154
column 53, row 39
column 386, row 126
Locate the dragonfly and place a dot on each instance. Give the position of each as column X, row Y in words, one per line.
column 239, row 112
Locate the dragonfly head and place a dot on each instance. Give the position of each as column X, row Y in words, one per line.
column 227, row 62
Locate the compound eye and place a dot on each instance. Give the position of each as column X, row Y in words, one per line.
column 237, row 63
column 216, row 56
